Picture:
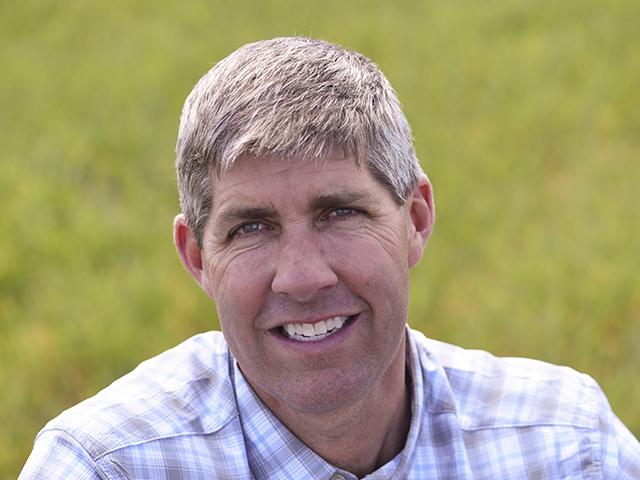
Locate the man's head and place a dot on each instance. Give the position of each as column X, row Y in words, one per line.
column 304, row 208
column 297, row 98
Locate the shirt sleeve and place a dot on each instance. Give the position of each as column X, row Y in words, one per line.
column 57, row 455
column 620, row 449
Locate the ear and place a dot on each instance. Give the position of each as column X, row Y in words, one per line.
column 188, row 250
column 422, row 214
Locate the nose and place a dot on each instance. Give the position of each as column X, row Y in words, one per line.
column 302, row 268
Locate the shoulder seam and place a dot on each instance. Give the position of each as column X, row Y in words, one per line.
column 70, row 436
column 163, row 437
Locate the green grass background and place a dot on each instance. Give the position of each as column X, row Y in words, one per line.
column 526, row 117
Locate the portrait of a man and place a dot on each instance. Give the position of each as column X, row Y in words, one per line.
column 303, row 210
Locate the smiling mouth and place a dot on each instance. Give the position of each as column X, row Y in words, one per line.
column 313, row 332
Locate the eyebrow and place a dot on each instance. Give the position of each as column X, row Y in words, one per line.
column 239, row 214
column 343, row 199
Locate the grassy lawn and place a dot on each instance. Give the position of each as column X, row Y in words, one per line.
column 525, row 116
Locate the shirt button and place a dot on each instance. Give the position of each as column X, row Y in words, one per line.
column 337, row 476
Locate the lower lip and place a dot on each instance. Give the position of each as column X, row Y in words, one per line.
column 323, row 344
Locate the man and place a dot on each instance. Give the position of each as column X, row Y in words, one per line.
column 304, row 208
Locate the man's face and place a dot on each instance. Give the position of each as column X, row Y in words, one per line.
column 308, row 264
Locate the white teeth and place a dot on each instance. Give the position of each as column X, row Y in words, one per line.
column 307, row 332
column 320, row 328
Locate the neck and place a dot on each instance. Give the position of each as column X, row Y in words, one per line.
column 382, row 417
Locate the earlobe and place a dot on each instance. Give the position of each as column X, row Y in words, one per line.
column 422, row 216
column 187, row 246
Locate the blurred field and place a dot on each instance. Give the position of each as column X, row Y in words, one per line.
column 526, row 117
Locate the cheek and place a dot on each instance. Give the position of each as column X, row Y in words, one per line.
column 376, row 264
column 239, row 284
column 370, row 246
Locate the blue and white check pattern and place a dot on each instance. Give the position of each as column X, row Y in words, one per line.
column 189, row 414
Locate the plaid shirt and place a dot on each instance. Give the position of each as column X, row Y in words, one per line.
column 190, row 414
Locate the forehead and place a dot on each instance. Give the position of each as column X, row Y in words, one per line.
column 264, row 175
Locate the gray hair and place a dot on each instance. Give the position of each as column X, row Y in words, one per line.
column 296, row 98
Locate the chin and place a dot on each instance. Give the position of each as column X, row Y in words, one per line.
column 319, row 395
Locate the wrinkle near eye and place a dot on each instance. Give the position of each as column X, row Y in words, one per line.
column 383, row 231
column 218, row 260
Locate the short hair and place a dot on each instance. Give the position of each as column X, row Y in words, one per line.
column 297, row 98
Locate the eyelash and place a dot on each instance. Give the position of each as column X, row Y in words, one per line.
column 238, row 230
column 351, row 211
column 347, row 212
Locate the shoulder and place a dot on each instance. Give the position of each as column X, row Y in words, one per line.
column 490, row 392
column 185, row 390
column 523, row 413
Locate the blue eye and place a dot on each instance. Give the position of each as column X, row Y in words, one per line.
column 342, row 213
column 248, row 229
